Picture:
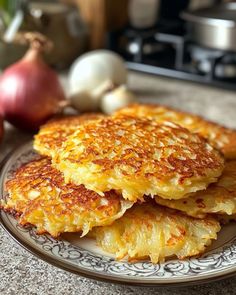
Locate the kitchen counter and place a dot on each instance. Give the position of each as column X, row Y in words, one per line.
column 22, row 273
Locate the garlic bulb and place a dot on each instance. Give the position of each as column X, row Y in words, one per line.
column 89, row 101
column 90, row 72
column 84, row 102
column 116, row 99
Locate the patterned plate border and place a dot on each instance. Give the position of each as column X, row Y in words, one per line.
column 218, row 264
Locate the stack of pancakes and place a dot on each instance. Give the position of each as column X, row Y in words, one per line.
column 146, row 182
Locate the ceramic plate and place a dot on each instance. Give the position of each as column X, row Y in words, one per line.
column 81, row 256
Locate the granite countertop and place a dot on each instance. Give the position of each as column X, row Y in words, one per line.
column 21, row 273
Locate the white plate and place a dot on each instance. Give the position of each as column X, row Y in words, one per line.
column 83, row 257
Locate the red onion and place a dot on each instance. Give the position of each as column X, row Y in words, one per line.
column 30, row 92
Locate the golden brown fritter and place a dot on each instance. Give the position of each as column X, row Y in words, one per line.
column 39, row 196
column 56, row 131
column 155, row 232
column 218, row 198
column 138, row 156
column 218, row 136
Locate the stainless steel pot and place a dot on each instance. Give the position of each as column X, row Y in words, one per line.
column 213, row 27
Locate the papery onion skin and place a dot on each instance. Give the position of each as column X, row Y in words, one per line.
column 30, row 92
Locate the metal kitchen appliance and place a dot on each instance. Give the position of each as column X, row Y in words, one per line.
column 200, row 46
column 213, row 27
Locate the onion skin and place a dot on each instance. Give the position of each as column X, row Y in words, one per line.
column 30, row 92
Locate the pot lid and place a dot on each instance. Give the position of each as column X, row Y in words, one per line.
column 224, row 14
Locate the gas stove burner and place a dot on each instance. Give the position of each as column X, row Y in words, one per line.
column 199, row 53
column 134, row 47
column 163, row 52
column 226, row 68
column 220, row 64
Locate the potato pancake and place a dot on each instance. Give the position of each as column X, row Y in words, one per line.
column 155, row 232
column 218, row 198
column 137, row 157
column 218, row 136
column 55, row 132
column 39, row 196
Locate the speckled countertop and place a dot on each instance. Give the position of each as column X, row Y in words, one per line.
column 23, row 274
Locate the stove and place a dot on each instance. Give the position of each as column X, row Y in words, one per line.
column 168, row 51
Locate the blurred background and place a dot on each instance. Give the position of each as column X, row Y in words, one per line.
column 185, row 39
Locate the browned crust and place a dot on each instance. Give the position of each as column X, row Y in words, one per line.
column 40, row 173
column 55, row 198
column 99, row 138
column 200, row 125
column 52, row 135
column 208, row 201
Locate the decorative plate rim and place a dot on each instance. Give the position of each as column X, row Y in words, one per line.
column 108, row 278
